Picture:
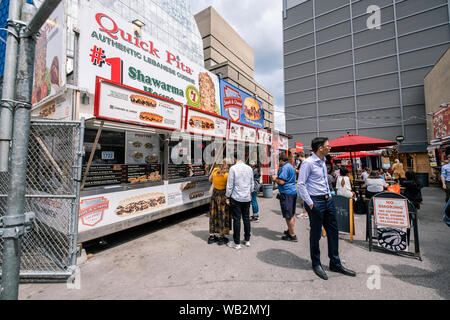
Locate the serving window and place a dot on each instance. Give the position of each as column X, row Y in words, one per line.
column 123, row 158
column 186, row 158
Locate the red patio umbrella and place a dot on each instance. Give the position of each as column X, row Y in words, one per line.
column 357, row 154
column 353, row 142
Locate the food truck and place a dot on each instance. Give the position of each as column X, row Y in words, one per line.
column 155, row 123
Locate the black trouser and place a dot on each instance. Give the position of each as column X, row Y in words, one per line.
column 323, row 214
column 239, row 209
column 447, row 191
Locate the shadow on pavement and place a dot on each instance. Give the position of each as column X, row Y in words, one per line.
column 118, row 238
column 203, row 234
column 267, row 233
column 284, row 259
column 437, row 280
column 278, row 212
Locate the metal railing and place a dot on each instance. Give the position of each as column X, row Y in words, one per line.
column 48, row 252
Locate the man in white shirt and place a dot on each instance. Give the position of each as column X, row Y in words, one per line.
column 365, row 174
column 240, row 185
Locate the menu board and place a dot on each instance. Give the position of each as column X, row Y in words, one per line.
column 178, row 171
column 263, row 137
column 143, row 173
column 142, row 148
column 242, row 133
column 124, row 104
column 202, row 123
column 103, row 175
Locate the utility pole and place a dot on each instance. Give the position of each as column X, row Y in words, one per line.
column 15, row 222
column 9, row 89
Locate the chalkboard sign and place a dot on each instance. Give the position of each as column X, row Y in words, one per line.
column 344, row 214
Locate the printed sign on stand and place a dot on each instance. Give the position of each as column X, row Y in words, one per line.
column 391, row 212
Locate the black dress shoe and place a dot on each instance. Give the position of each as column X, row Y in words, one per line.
column 320, row 273
column 343, row 270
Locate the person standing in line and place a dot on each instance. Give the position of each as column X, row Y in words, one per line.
column 331, row 179
column 298, row 162
column 219, row 213
column 240, row 185
column 445, row 179
column 287, row 195
column 314, row 190
column 256, row 176
column 300, row 159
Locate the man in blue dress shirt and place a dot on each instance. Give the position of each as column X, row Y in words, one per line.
column 314, row 190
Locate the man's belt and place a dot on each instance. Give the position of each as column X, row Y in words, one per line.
column 323, row 197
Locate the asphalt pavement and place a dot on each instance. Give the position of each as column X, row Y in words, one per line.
column 170, row 260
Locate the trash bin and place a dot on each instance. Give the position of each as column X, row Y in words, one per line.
column 423, row 178
column 267, row 190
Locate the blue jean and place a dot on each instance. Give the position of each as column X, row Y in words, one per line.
column 323, row 214
column 255, row 207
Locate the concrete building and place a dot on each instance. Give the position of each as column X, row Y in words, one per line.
column 229, row 56
column 437, row 103
column 344, row 73
column 437, row 93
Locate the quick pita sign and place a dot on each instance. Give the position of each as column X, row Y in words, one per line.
column 110, row 49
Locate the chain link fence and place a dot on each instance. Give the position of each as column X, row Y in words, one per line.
column 49, row 251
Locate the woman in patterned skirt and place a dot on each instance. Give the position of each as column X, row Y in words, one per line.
column 219, row 216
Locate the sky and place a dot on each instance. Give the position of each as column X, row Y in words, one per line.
column 259, row 23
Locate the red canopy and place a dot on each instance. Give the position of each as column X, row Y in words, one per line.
column 355, row 155
column 354, row 142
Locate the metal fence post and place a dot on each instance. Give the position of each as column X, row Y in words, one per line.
column 8, row 91
column 17, row 182
column 21, row 130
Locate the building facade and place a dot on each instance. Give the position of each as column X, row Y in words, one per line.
column 229, row 56
column 345, row 72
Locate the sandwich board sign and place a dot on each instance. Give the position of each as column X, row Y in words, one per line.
column 344, row 215
column 392, row 220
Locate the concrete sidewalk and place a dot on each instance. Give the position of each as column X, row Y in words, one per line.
column 172, row 260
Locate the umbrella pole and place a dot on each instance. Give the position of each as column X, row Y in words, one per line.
column 353, row 167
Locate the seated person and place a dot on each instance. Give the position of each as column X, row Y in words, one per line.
column 343, row 184
column 374, row 184
column 412, row 189
column 386, row 175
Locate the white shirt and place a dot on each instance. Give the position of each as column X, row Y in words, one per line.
column 375, row 185
column 347, row 184
column 364, row 175
column 240, row 183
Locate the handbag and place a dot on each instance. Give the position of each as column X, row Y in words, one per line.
column 395, row 188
